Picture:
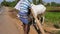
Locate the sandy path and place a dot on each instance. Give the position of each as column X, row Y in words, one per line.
column 7, row 25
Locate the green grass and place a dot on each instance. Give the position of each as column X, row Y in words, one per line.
column 53, row 17
column 55, row 9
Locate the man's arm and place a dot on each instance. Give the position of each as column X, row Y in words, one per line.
column 18, row 5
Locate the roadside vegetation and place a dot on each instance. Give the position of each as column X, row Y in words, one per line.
column 53, row 17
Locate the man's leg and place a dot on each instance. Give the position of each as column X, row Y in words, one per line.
column 25, row 25
column 25, row 20
column 25, row 28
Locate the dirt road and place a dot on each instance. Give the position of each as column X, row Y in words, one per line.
column 7, row 25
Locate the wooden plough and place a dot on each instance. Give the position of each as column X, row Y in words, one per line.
column 38, row 22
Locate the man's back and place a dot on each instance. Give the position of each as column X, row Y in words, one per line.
column 23, row 4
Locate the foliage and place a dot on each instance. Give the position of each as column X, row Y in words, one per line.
column 53, row 9
column 53, row 17
column 48, row 4
column 10, row 4
column 37, row 1
column 53, row 4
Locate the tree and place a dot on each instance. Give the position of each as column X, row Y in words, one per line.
column 9, row 4
column 53, row 4
column 34, row 1
column 4, row 2
column 37, row 1
column 48, row 4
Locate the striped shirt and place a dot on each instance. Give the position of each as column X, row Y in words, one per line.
column 23, row 5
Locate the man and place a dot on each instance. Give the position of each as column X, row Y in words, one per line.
column 23, row 6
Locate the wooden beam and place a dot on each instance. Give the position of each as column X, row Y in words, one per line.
column 38, row 23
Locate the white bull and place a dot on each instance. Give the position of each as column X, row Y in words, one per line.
column 39, row 10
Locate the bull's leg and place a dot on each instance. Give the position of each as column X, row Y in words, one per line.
column 41, row 18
